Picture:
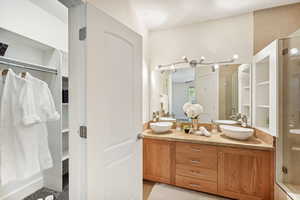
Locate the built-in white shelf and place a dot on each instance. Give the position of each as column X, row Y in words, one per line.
column 263, row 106
column 265, row 88
column 65, row 130
column 296, row 148
column 65, row 104
column 65, row 155
column 295, row 131
column 264, row 83
column 247, row 87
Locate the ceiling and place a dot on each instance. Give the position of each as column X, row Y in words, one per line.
column 53, row 7
column 161, row 14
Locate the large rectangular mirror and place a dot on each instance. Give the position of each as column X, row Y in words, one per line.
column 223, row 93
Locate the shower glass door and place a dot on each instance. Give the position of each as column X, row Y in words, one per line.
column 289, row 177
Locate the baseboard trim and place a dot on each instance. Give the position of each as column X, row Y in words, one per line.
column 25, row 190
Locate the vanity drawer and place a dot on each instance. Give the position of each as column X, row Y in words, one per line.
column 197, row 172
column 197, row 160
column 196, row 149
column 196, row 184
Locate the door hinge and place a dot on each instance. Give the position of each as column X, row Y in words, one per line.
column 82, row 33
column 285, row 51
column 83, row 131
column 284, row 170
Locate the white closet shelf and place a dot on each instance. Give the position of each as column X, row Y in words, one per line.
column 247, row 87
column 263, row 83
column 295, row 131
column 65, row 156
column 65, row 130
column 65, row 104
column 296, row 148
column 263, row 106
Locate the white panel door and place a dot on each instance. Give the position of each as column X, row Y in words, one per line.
column 114, row 109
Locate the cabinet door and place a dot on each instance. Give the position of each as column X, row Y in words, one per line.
column 244, row 174
column 157, row 160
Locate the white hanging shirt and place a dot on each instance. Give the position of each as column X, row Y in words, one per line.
column 17, row 110
column 45, row 107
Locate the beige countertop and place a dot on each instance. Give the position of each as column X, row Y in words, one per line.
column 215, row 139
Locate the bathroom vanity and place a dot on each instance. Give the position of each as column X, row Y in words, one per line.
column 216, row 164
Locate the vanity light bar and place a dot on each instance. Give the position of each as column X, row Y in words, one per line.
column 195, row 63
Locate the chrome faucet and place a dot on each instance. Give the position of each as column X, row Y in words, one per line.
column 241, row 118
column 244, row 120
column 155, row 116
column 236, row 117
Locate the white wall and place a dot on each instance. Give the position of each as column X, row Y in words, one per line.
column 215, row 40
column 123, row 12
column 25, row 18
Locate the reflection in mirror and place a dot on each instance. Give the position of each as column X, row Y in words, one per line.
column 223, row 93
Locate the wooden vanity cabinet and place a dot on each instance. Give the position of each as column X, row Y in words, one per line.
column 237, row 173
column 196, row 167
column 157, row 160
column 244, row 174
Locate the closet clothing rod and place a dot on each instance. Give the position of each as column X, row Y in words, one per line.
column 18, row 64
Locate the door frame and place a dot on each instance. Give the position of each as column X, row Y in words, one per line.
column 77, row 104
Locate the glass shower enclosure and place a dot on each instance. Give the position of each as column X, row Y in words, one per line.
column 288, row 142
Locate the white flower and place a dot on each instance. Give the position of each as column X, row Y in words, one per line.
column 186, row 106
column 192, row 110
column 198, row 108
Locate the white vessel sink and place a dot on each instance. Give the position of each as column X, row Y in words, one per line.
column 235, row 132
column 227, row 122
column 161, row 127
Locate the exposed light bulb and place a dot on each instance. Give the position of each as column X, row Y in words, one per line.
column 185, row 59
column 294, row 51
column 235, row 57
